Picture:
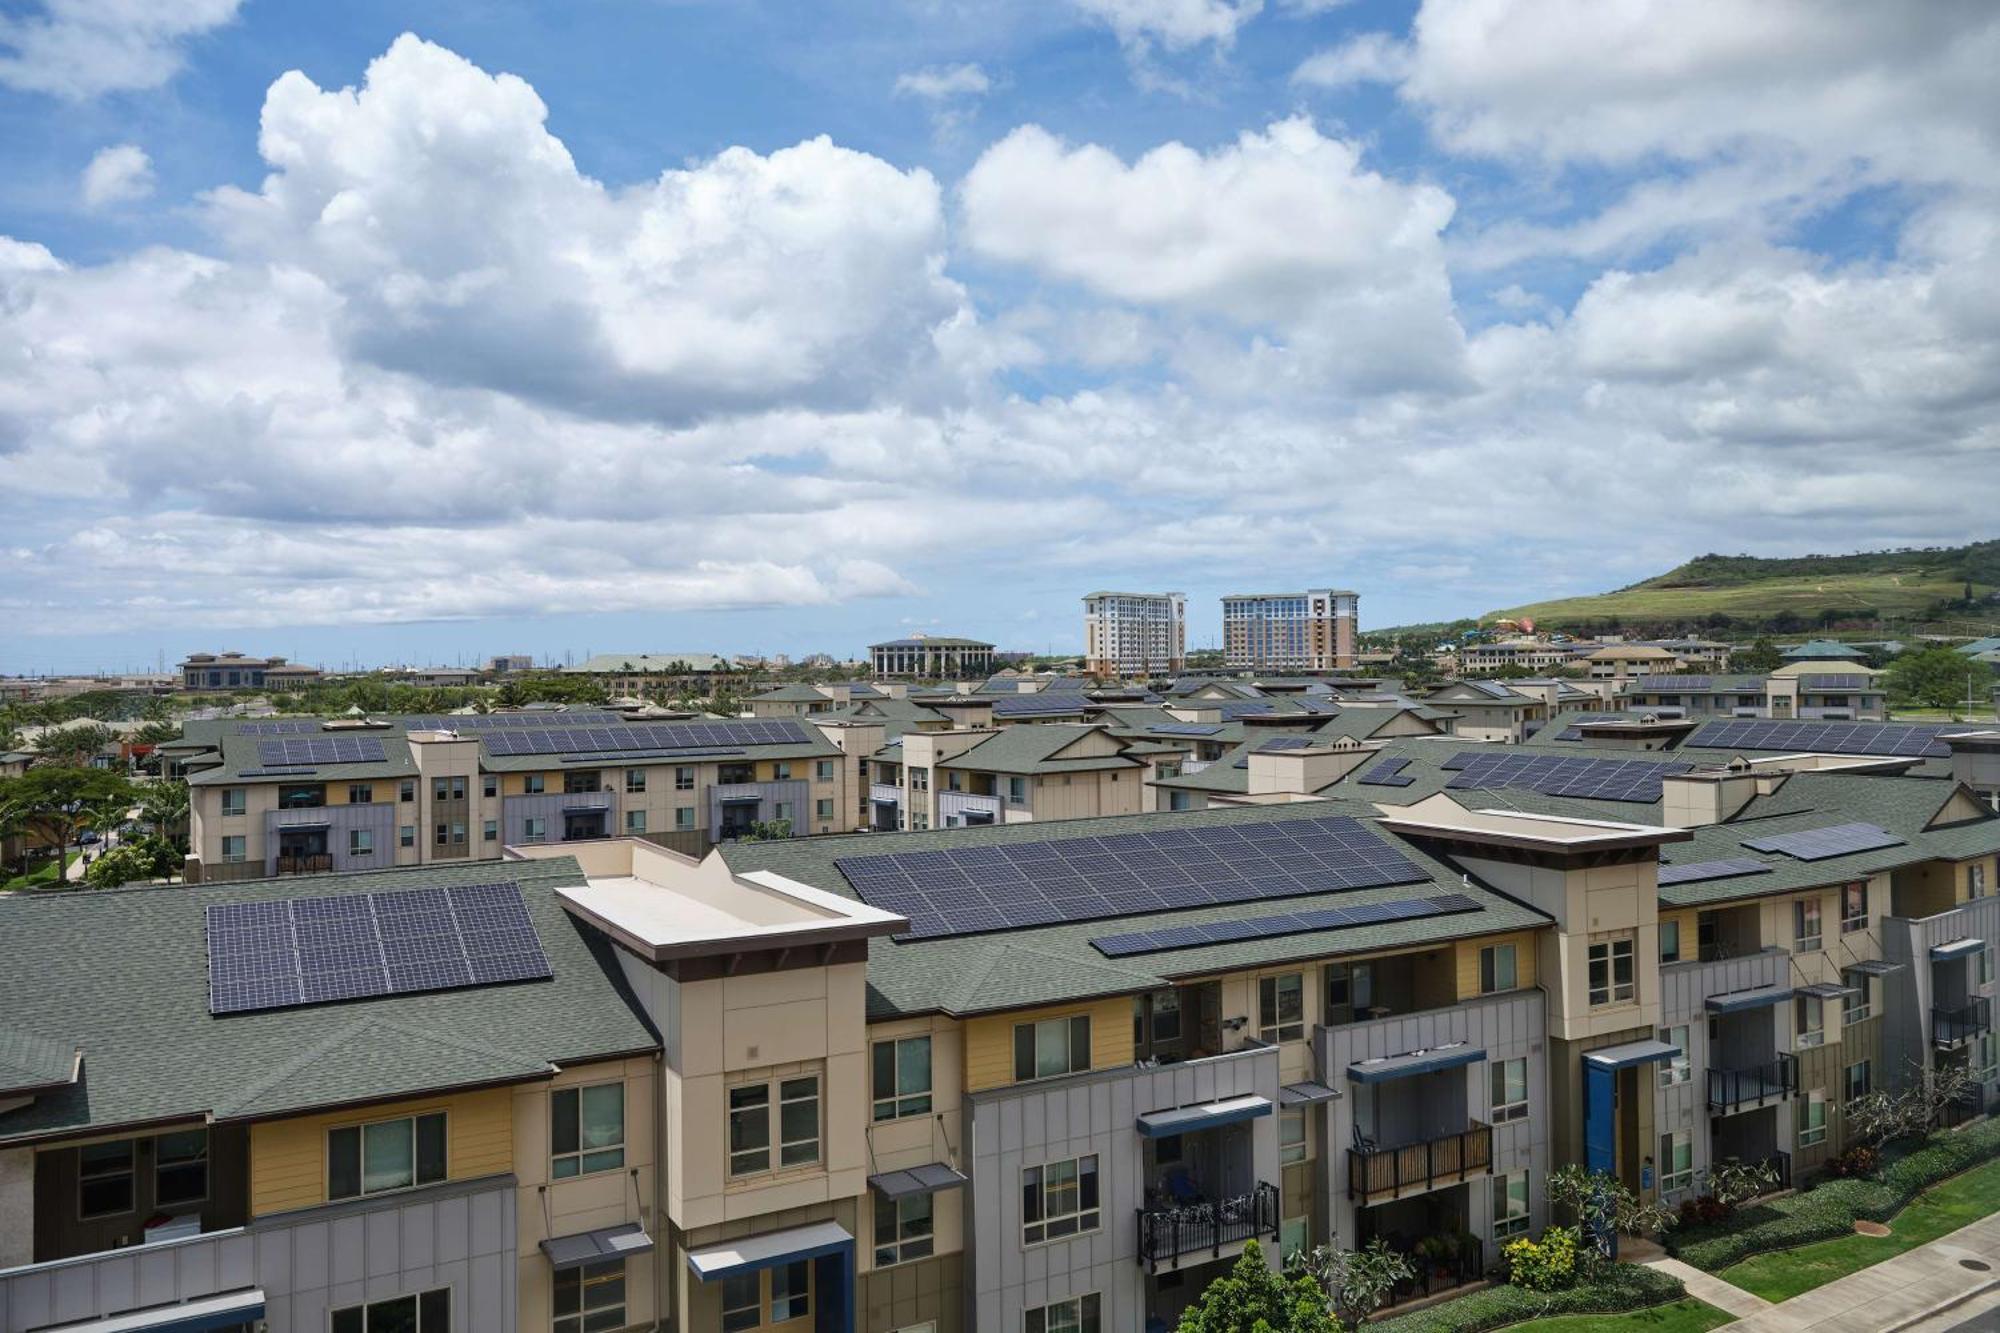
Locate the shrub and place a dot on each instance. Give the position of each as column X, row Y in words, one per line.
column 1858, row 1161
column 1623, row 1287
column 1704, row 1211
column 1548, row 1264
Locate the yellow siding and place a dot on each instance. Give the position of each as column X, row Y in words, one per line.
column 288, row 1157
column 1468, row 961
column 989, row 1041
column 1690, row 938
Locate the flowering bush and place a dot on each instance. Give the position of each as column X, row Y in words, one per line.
column 1860, row 1160
column 1548, row 1264
column 1707, row 1208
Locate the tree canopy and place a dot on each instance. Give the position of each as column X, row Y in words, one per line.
column 1938, row 677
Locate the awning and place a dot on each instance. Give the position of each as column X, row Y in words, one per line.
column 587, row 1247
column 298, row 825
column 1305, row 1094
column 752, row 1253
column 1876, row 967
column 1414, row 1062
column 1739, row 1001
column 197, row 1316
column 1828, row 990
column 1632, row 1053
column 1209, row 1115
column 926, row 1179
column 1956, row 949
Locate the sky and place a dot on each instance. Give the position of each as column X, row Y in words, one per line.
column 424, row 331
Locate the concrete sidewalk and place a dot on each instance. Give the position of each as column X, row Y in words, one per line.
column 1894, row 1294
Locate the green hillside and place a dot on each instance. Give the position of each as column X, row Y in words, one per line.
column 1790, row 594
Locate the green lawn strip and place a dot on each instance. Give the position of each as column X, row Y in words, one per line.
column 36, row 878
column 1682, row 1316
column 1939, row 1212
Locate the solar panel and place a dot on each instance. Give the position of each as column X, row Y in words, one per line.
column 281, row 954
column 1901, row 739
column 1185, row 728
column 1279, row 924
column 961, row 891
column 278, row 728
column 1671, row 684
column 1835, row 681
column 1029, row 705
column 322, row 750
column 1388, row 773
column 1562, row 775
column 656, row 736
column 1694, row 872
column 1820, row 843
column 510, row 721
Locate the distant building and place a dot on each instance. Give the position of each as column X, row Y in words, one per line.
column 1823, row 650
column 1289, row 631
column 931, row 657
column 234, row 671
column 508, row 664
column 661, row 675
column 1135, row 633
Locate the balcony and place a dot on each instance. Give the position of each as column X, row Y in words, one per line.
column 1958, row 1026
column 304, row 864
column 885, row 793
column 1166, row 1234
column 1745, row 1089
column 1378, row 1174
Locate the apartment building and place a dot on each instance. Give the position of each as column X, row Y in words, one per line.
column 988, row 775
column 1290, row 631
column 1481, row 659
column 307, row 796
column 931, row 657
column 235, row 671
column 1134, row 634
column 1802, row 690
column 660, row 676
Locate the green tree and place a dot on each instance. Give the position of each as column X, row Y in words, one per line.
column 75, row 745
column 56, row 803
column 1253, row 1299
column 1937, row 677
column 1602, row 1206
column 163, row 803
column 141, row 858
column 1355, row 1282
column 1760, row 658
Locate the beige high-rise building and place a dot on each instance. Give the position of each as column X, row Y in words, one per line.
column 1135, row 633
column 1290, row 631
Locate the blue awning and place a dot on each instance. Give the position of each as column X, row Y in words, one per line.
column 1411, row 1063
column 1208, row 1115
column 1956, row 949
column 1739, row 1001
column 1632, row 1053
column 202, row 1315
column 751, row 1253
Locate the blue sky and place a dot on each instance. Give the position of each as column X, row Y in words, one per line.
column 421, row 332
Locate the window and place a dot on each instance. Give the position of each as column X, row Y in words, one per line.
column 902, row 1077
column 1051, row 1048
column 360, row 842
column 683, row 817
column 447, row 789
column 235, row 800
column 1017, row 791
column 635, row 779
column 683, row 779
column 1860, row 1003
column 590, row 1297
column 407, row 790
column 1676, row 1160
column 180, row 1168
column 750, row 1125
column 902, row 1230
column 489, row 786
column 1986, row 1057
column 1670, row 941
column 578, row 782
column 1059, row 1199
column 406, row 836
column 1496, row 969
column 426, row 1313
column 104, row 1179
column 798, row 1121
column 387, row 1155
column 1805, row 925
column 1853, row 908
column 1510, row 1090
column 1611, row 971
column 823, row 770
column 1076, row 1315
column 532, row 784
column 920, row 779
column 234, row 847
column 1281, row 1007
column 1510, row 1205
column 781, row 811
column 1811, row 1022
column 635, row 821
column 586, row 1130
column 823, row 808
column 360, row 793
column 1678, row 1068
column 749, row 1130
column 742, row 1302
column 791, row 1291
column 444, row 835
column 534, row 829
column 1982, row 966
column 1857, row 1080
column 490, row 831
column 1292, row 1134
column 1975, row 881
column 1812, row 1126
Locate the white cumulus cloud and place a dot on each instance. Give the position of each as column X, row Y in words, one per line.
column 79, row 49
column 941, row 82
column 117, row 175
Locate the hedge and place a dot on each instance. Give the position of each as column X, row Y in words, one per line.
column 1623, row 1287
column 1831, row 1209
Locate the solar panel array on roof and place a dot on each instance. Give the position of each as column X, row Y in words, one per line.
column 278, row 954
column 965, row 891
column 322, row 750
column 1562, row 775
column 1820, row 843
column 278, row 728
column 1184, row 728
column 1694, row 872
column 1032, row 705
column 655, row 736
column 1671, row 684
column 1231, row 709
column 1835, row 681
column 1903, row 739
column 1282, row 923
column 1387, row 773
column 1275, row 744
column 509, row 721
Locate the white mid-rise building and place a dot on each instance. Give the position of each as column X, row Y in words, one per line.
column 1135, row 633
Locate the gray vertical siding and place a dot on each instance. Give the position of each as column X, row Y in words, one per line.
column 1684, row 987
column 796, row 791
column 516, row 811
column 461, row 1235
column 379, row 819
column 1909, row 994
column 1009, row 1129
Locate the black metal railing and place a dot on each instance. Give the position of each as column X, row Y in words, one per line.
column 1754, row 1085
column 1208, row 1225
column 1781, row 1163
column 1953, row 1027
column 305, row 864
column 1377, row 1173
column 1967, row 1106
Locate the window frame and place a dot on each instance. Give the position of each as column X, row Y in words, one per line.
column 161, row 1165
column 240, row 806
column 1670, row 930
column 684, row 779
column 1678, row 1069
column 1850, row 1011
column 1501, row 1108
column 1849, row 922
column 1672, row 1176
column 635, row 821
column 1616, row 949
column 635, row 781
column 1040, row 1225
column 900, row 1104
column 773, row 1095
column 1294, row 1142
column 1489, row 968
column 1812, row 1134
column 128, row 1172
column 1867, row 1079
column 1808, row 911
column 582, row 1152
column 361, row 793
column 798, row 1299
column 602, row 1275
column 359, row 1129
column 242, row 848
column 1808, row 1022
column 1071, row 1030
column 1505, row 1221
column 1273, row 1025
column 1088, row 1316
column 428, row 1317
column 904, row 1245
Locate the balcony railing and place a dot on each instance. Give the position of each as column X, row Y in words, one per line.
column 1204, row 1228
column 1756, row 1085
column 305, row 865
column 1377, row 1174
column 1954, row 1027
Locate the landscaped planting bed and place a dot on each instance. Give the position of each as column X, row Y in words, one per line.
column 1625, row 1287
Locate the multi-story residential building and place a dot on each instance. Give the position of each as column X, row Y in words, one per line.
column 1809, row 690
column 1823, row 650
column 1290, row 631
column 656, row 676
column 983, row 775
column 301, row 796
column 1627, row 661
column 1482, row 659
column 234, row 671
column 1134, row 634
column 510, row 664
column 931, row 657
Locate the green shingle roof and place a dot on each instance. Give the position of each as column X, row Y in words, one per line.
column 30, row 1060
column 1033, row 749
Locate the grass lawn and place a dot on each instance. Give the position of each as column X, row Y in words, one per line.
column 41, row 875
column 1683, row 1316
column 1937, row 1212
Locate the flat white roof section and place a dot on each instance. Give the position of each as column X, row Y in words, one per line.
column 1441, row 817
